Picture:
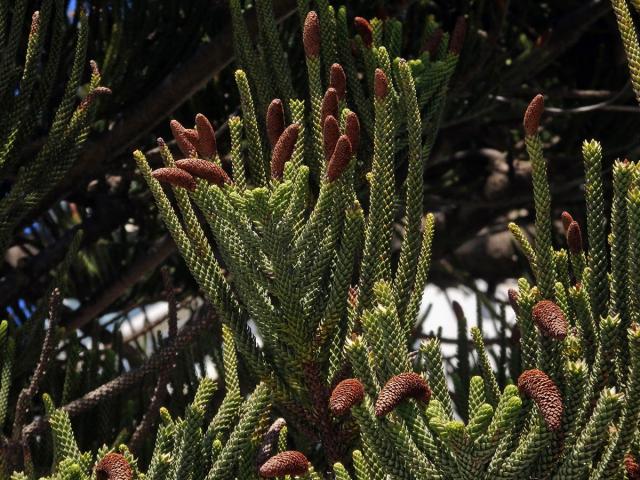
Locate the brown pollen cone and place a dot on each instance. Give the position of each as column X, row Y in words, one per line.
column 512, row 293
column 330, row 135
column 458, row 35
column 329, row 104
column 270, row 441
column 532, row 115
column 352, row 130
column 113, row 466
column 566, row 220
column 290, row 462
column 433, row 42
column 204, row 169
column 311, row 35
column 347, row 393
column 184, row 140
column 283, row 150
column 400, row 387
column 340, row 159
column 574, row 238
column 206, row 141
column 550, row 319
column 632, row 467
column 175, row 176
column 338, row 80
column 537, row 386
column 380, row 84
column 275, row 121
column 364, row 29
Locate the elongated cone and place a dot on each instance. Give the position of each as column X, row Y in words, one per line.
column 113, row 466
column 458, row 35
column 176, row 177
column 365, row 30
column 632, row 467
column 184, row 139
column 352, row 130
column 290, row 462
column 204, row 169
column 347, row 393
column 400, row 387
column 270, row 441
column 275, row 121
column 550, row 319
column 340, row 159
column 330, row 135
column 329, row 104
column 206, row 141
column 433, row 42
column 566, row 220
column 283, row 150
column 536, row 385
column 338, row 80
column 380, row 84
column 311, row 35
column 532, row 115
column 574, row 238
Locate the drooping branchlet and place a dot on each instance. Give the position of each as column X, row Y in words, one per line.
column 338, row 80
column 329, row 104
column 283, row 150
column 536, row 385
column 290, row 462
column 340, row 159
column 347, row 393
column 352, row 130
column 275, row 121
column 365, row 30
column 184, row 139
column 566, row 220
column 113, row 466
column 380, row 84
column 550, row 319
column 574, row 238
column 270, row 441
column 206, row 138
column 204, row 169
column 400, row 387
column 311, row 35
column 330, row 135
column 458, row 35
column 532, row 115
column 176, row 177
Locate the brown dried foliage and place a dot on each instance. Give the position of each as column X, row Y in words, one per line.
column 347, row 393
column 400, row 387
column 632, row 467
column 537, row 386
column 290, row 462
column 176, row 177
column 270, row 441
column 550, row 319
